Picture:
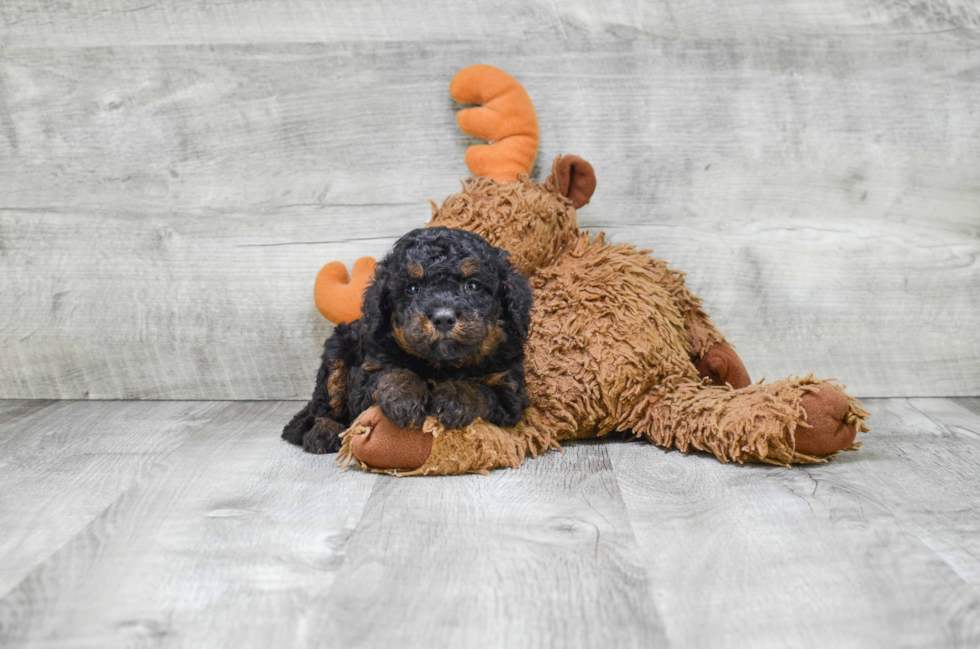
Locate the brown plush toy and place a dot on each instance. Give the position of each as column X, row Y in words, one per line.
column 617, row 342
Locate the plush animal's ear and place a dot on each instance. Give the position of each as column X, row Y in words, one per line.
column 574, row 178
column 516, row 298
column 376, row 310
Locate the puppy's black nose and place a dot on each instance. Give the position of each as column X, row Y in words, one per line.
column 443, row 319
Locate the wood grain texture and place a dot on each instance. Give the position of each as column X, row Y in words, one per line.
column 237, row 539
column 879, row 547
column 62, row 464
column 164, row 208
column 228, row 541
column 541, row 557
column 137, row 22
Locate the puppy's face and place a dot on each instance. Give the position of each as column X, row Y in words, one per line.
column 446, row 307
column 451, row 296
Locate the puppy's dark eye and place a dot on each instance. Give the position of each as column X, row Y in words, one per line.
column 473, row 286
column 413, row 288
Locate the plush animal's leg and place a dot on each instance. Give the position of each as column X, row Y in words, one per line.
column 375, row 444
column 721, row 365
column 375, row 441
column 831, row 426
column 701, row 332
column 709, row 351
column 790, row 421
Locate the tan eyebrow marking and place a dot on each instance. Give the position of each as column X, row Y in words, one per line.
column 415, row 270
column 469, row 266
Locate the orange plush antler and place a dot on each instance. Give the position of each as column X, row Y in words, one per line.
column 339, row 296
column 505, row 118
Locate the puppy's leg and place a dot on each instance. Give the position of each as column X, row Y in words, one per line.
column 314, row 434
column 498, row 399
column 457, row 403
column 304, row 422
column 401, row 395
column 324, row 437
column 508, row 407
column 318, row 425
column 327, row 406
column 299, row 425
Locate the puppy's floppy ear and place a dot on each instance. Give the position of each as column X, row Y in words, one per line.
column 376, row 310
column 515, row 296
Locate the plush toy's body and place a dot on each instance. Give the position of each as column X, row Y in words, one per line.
column 617, row 342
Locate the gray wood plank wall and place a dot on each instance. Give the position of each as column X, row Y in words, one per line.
column 173, row 175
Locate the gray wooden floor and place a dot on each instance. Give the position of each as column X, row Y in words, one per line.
column 191, row 524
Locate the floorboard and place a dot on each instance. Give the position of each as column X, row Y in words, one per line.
column 228, row 537
column 175, row 523
column 877, row 548
column 62, row 463
column 541, row 557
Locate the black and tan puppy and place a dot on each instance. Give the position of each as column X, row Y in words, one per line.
column 442, row 333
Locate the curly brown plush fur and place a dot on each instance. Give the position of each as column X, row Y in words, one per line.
column 442, row 333
column 617, row 344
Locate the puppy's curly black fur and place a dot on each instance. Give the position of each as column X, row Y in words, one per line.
column 442, row 333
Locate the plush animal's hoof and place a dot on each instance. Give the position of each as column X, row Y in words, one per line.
column 722, row 365
column 388, row 446
column 826, row 413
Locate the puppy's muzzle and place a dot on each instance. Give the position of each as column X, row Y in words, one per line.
column 443, row 319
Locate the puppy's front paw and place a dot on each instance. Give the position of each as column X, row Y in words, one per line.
column 324, row 437
column 402, row 397
column 457, row 416
column 404, row 411
column 457, row 403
